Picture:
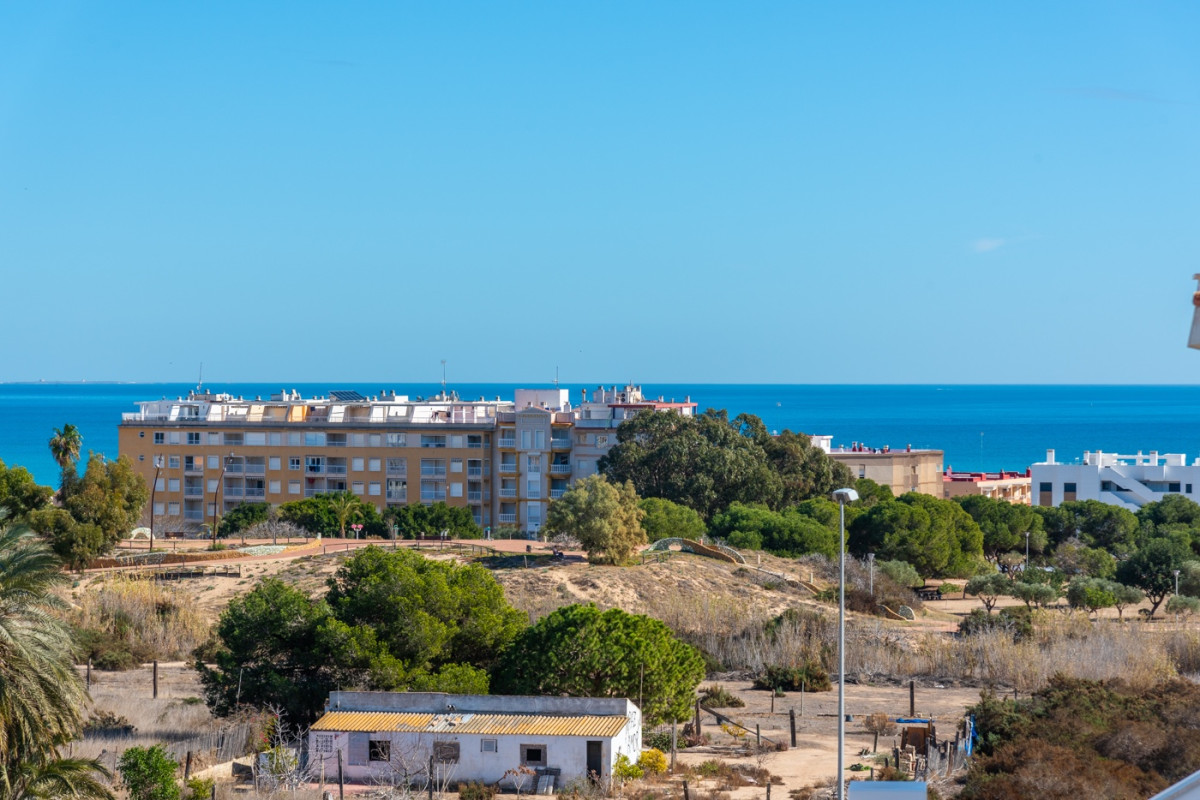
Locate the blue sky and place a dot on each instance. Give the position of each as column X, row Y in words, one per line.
column 668, row 192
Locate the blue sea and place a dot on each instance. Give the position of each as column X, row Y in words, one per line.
column 978, row 427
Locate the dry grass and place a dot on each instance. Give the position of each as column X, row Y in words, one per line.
column 154, row 621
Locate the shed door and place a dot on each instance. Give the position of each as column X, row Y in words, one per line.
column 360, row 746
column 595, row 763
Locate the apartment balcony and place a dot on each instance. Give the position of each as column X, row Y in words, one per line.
column 474, row 445
column 193, row 516
column 195, row 492
column 508, row 444
column 433, row 497
column 231, row 492
column 507, row 519
column 256, row 493
column 235, row 468
column 397, row 497
column 335, row 469
column 195, row 468
column 474, row 472
column 508, row 492
column 474, row 497
column 508, row 469
column 399, row 471
column 314, row 469
column 560, row 444
column 560, row 469
column 433, row 474
column 256, row 469
column 557, row 493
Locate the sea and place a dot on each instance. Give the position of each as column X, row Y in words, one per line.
column 986, row 427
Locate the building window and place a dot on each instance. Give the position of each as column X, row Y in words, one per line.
column 428, row 440
column 380, row 750
column 374, row 488
column 357, row 488
column 274, row 461
column 533, row 464
column 314, row 439
column 375, row 440
column 173, row 437
column 172, row 462
column 433, row 468
column 274, row 439
column 233, row 439
column 445, row 752
column 1173, row 487
column 323, row 743
column 172, row 509
column 356, row 464
column 456, row 465
column 275, row 487
column 314, row 464
column 173, row 485
column 295, row 440
column 193, row 438
column 487, row 745
column 160, row 485
column 1068, row 492
column 1188, row 486
column 256, row 439
column 294, row 462
column 141, row 457
column 395, row 439
column 533, row 755
column 214, row 438
column 374, row 465
column 293, row 487
column 158, row 437
column 141, row 434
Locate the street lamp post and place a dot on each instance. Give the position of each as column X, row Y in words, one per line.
column 1176, row 581
column 158, row 462
column 842, row 496
column 225, row 462
column 871, row 563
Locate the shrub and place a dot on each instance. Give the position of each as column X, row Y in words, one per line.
column 901, row 572
column 810, row 676
column 626, row 770
column 1183, row 605
column 149, row 773
column 660, row 740
column 108, row 723
column 716, row 696
column 200, row 788
column 1016, row 620
column 474, row 790
column 652, row 762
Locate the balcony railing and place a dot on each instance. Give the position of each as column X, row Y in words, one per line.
column 474, row 472
column 433, row 497
column 193, row 491
column 336, row 469
column 557, row 493
column 193, row 516
column 508, row 492
column 560, row 469
column 431, row 472
column 510, row 444
column 507, row 519
column 474, row 497
column 508, row 469
column 474, row 445
column 560, row 444
column 256, row 469
column 256, row 493
column 397, row 497
column 233, row 491
column 195, row 468
column 315, row 469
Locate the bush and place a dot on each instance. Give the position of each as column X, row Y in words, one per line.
column 1016, row 620
column 149, row 773
column 200, row 788
column 660, row 740
column 901, row 572
column 716, row 696
column 474, row 790
column 810, row 676
column 626, row 770
column 652, row 762
column 108, row 723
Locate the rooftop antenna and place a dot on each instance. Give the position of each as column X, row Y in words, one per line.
column 443, row 377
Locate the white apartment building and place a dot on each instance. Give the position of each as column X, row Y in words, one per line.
column 1129, row 481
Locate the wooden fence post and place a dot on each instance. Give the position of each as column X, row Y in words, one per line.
column 341, row 778
column 792, row 716
column 686, row 796
column 156, row 679
column 187, row 766
column 912, row 698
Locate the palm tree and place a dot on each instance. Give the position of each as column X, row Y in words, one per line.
column 345, row 507
column 65, row 445
column 41, row 695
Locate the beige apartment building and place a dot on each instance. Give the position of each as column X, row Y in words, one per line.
column 1012, row 487
column 504, row 460
column 907, row 470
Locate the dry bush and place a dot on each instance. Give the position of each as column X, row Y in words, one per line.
column 145, row 618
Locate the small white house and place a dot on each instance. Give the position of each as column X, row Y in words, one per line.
column 392, row 735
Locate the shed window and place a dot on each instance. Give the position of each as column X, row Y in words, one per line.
column 487, row 745
column 533, row 755
column 323, row 743
column 381, row 750
column 445, row 752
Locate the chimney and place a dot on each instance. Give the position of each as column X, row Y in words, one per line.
column 1050, row 457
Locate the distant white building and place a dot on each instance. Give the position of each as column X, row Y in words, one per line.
column 1129, row 481
column 392, row 735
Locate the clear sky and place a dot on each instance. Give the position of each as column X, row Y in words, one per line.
column 665, row 192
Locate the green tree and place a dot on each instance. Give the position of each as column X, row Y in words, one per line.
column 243, row 516
column 1151, row 569
column 1090, row 594
column 110, row 495
column 1034, row 594
column 1004, row 525
column 901, row 572
column 665, row 520
column 346, row 508
column 75, row 543
column 149, row 773
column 583, row 652
column 707, row 462
column 604, row 518
column 1189, row 579
column 1073, row 558
column 65, row 447
column 20, row 494
column 41, row 695
column 1124, row 596
column 789, row 534
column 1173, row 509
column 936, row 536
column 272, row 651
column 431, row 520
column 1183, row 605
column 989, row 589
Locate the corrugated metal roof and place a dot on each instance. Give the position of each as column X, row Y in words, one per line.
column 484, row 724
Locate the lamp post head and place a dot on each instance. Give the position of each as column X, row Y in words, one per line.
column 871, row 557
column 843, row 496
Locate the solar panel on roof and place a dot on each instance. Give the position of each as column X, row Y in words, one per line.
column 346, row 395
